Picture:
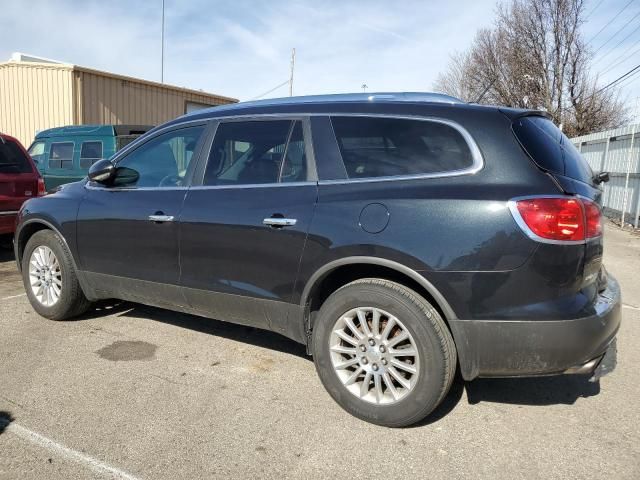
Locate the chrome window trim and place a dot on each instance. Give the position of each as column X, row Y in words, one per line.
column 252, row 185
column 9, row 212
column 476, row 155
column 515, row 213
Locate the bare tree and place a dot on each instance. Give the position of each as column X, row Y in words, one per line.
column 534, row 57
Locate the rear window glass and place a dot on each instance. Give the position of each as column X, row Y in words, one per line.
column 13, row 159
column 384, row 147
column 550, row 149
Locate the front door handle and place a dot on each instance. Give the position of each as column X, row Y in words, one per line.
column 279, row 222
column 161, row 218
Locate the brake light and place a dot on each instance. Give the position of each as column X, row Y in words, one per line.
column 41, row 188
column 558, row 219
column 594, row 218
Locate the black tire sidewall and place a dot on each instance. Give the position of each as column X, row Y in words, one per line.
column 50, row 239
column 432, row 379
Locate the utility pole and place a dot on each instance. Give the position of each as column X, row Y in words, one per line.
column 162, row 47
column 293, row 64
column 364, row 87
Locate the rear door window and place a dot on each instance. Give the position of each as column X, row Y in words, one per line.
column 550, row 149
column 13, row 159
column 90, row 152
column 61, row 155
column 257, row 152
column 384, row 147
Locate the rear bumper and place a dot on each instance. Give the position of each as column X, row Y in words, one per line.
column 7, row 222
column 507, row 348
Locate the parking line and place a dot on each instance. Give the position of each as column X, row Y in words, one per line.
column 68, row 453
column 13, row 296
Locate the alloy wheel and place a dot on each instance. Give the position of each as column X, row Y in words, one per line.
column 45, row 276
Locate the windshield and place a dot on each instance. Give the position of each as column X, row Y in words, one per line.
column 13, row 159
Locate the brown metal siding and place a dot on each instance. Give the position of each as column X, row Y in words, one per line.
column 107, row 99
column 34, row 97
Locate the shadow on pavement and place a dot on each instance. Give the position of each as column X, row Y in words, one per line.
column 561, row 389
column 5, row 420
column 240, row 333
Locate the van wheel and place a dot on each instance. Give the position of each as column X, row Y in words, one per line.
column 383, row 352
column 50, row 279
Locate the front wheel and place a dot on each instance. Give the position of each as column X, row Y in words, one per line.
column 383, row 352
column 50, row 279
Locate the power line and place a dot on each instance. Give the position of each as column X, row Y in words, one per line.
column 617, row 32
column 610, row 21
column 624, row 54
column 593, row 10
column 620, row 78
column 622, row 60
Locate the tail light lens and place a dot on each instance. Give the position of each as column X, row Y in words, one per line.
column 558, row 219
column 41, row 188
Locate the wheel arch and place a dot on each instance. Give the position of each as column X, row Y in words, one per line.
column 29, row 228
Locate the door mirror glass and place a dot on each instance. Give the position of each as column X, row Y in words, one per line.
column 103, row 171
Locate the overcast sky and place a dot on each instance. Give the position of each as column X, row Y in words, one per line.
column 242, row 48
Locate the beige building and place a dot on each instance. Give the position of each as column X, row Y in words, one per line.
column 37, row 93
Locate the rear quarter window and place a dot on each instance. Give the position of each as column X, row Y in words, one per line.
column 13, row 159
column 550, row 149
column 385, row 147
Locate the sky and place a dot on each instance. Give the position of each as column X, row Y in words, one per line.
column 242, row 48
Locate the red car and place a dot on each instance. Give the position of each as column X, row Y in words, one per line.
column 19, row 181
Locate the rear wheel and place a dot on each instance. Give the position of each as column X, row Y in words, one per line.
column 50, row 279
column 383, row 352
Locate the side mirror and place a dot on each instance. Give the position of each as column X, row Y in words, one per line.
column 102, row 171
column 601, row 177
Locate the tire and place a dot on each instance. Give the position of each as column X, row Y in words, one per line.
column 71, row 300
column 413, row 396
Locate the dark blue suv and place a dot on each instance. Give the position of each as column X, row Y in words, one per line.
column 398, row 236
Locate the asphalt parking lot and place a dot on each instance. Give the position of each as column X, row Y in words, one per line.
column 135, row 392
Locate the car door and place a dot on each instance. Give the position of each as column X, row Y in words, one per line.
column 243, row 228
column 127, row 233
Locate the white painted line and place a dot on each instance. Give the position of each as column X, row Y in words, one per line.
column 95, row 465
column 632, row 307
column 13, row 296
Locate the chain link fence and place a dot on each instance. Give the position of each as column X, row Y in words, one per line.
column 617, row 152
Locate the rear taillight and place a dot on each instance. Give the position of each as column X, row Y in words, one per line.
column 558, row 219
column 41, row 188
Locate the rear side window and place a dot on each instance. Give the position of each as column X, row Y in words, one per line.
column 90, row 152
column 257, row 152
column 61, row 155
column 13, row 159
column 550, row 149
column 383, row 147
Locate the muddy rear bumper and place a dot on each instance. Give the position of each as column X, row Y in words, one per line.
column 513, row 348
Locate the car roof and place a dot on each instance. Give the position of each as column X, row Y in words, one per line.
column 92, row 130
column 393, row 102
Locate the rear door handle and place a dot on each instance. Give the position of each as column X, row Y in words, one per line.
column 280, row 222
column 161, row 218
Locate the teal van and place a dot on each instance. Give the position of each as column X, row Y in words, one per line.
column 64, row 154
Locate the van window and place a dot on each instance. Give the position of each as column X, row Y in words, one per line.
column 61, row 155
column 36, row 150
column 383, row 147
column 90, row 152
column 12, row 158
column 550, row 149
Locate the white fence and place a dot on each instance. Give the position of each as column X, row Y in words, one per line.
column 617, row 152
